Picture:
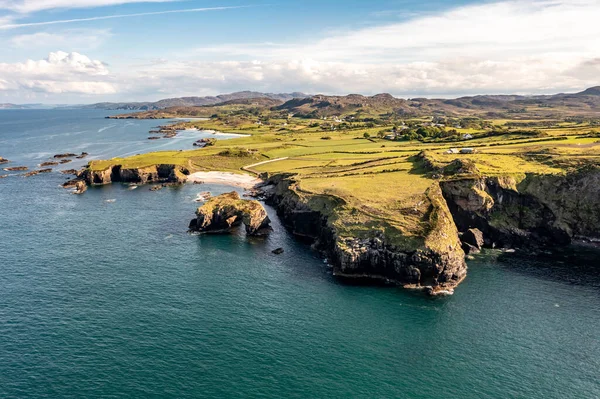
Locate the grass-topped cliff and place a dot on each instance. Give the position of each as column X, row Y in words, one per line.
column 375, row 173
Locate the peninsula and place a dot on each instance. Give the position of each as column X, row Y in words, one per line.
column 398, row 190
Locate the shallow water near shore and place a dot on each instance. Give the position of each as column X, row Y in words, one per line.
column 107, row 295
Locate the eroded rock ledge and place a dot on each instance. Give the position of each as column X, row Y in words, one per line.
column 142, row 175
column 221, row 213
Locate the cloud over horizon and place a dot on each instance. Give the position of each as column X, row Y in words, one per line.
column 60, row 73
column 503, row 47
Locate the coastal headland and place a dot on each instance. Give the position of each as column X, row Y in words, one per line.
column 393, row 194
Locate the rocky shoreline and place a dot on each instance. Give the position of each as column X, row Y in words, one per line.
column 467, row 212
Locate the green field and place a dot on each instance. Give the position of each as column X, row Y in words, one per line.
column 382, row 182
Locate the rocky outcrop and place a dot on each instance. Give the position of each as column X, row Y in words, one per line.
column 220, row 214
column 66, row 155
column 538, row 211
column 143, row 175
column 37, row 172
column 206, row 142
column 16, row 169
column 434, row 262
column 3, row 160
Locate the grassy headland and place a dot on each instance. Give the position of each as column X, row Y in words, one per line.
column 365, row 150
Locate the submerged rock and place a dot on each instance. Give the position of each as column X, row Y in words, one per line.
column 278, row 251
column 220, row 214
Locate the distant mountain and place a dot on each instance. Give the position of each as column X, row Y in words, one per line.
column 34, row 106
column 319, row 106
column 592, row 91
column 195, row 101
column 13, row 106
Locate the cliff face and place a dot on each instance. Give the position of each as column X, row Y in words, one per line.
column 226, row 211
column 434, row 262
column 149, row 174
column 541, row 210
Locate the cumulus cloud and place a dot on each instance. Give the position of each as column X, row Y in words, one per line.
column 59, row 73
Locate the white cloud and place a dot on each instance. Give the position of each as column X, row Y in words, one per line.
column 73, row 39
column 60, row 73
column 528, row 74
column 490, row 31
column 511, row 46
column 523, row 46
column 28, row 6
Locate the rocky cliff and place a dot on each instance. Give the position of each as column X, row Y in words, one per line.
column 220, row 214
column 142, row 175
column 537, row 211
column 434, row 262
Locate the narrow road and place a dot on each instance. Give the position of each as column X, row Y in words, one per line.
column 249, row 167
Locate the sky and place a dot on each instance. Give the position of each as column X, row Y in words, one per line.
column 74, row 52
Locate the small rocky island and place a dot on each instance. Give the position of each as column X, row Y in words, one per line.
column 222, row 213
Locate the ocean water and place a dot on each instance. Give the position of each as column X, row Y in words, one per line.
column 116, row 299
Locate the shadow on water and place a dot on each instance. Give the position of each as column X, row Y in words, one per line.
column 576, row 264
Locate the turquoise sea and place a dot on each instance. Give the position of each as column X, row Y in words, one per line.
column 115, row 299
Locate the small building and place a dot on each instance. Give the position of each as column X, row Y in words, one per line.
column 467, row 151
column 467, row 136
column 390, row 137
column 452, row 151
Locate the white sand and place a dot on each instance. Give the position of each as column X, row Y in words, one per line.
column 225, row 178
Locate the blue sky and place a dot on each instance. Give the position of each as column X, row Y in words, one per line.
column 108, row 52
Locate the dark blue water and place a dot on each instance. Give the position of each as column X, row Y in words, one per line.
column 115, row 299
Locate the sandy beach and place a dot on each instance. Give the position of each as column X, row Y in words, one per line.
column 227, row 178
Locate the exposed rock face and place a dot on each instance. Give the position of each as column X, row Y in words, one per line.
column 149, row 174
column 435, row 262
column 220, row 214
column 541, row 210
column 80, row 187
